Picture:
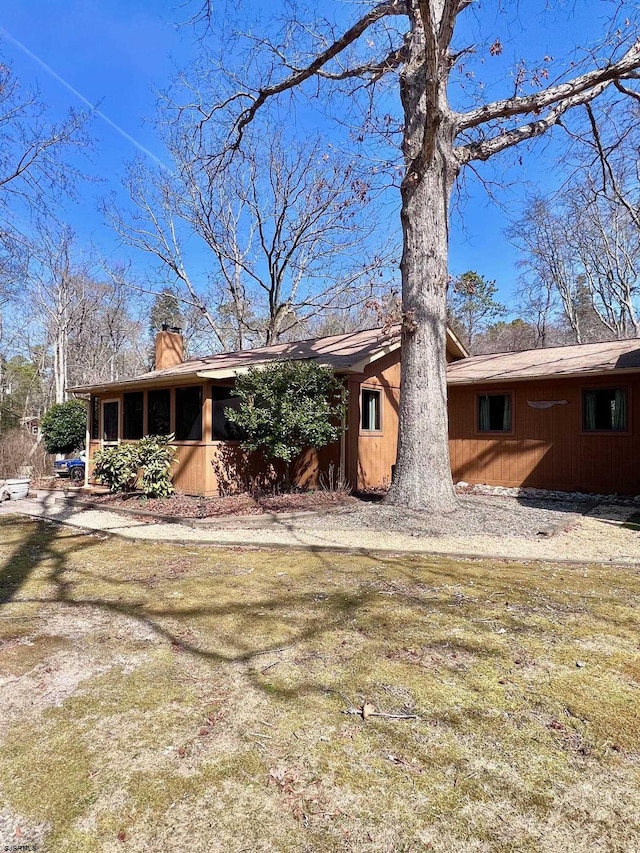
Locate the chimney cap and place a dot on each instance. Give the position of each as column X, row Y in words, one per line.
column 167, row 328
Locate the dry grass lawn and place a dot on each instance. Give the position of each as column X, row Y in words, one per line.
column 163, row 698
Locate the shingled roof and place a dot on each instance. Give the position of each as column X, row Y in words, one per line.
column 349, row 353
column 576, row 360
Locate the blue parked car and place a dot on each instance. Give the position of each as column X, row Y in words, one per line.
column 71, row 468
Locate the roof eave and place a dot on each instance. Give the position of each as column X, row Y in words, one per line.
column 359, row 366
column 456, row 344
column 142, row 381
column 506, row 379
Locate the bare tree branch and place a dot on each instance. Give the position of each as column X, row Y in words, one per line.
column 380, row 11
column 507, row 139
column 374, row 70
column 631, row 93
column 593, row 81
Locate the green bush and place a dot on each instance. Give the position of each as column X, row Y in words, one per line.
column 117, row 467
column 144, row 465
column 288, row 406
column 155, row 459
column 64, row 427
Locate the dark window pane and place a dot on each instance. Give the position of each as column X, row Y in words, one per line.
column 95, row 418
column 494, row 413
column 370, row 419
column 604, row 410
column 224, row 430
column 133, row 407
column 158, row 412
column 189, row 414
column 110, row 417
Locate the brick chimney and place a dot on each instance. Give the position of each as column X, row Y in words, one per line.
column 169, row 348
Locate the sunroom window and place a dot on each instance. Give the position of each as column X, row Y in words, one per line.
column 189, row 414
column 223, row 429
column 158, row 412
column 133, row 408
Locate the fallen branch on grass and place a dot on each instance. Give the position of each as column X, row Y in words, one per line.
column 368, row 710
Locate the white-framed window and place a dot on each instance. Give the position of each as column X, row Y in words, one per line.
column 371, row 410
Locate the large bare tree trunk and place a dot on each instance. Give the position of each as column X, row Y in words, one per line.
column 423, row 439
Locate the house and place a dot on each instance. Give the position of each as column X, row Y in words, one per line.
column 31, row 425
column 189, row 398
column 565, row 418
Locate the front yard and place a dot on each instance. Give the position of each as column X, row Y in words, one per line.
column 156, row 697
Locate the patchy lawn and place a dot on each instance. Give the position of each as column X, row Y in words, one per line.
column 163, row 698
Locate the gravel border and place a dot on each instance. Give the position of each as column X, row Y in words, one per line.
column 479, row 514
column 600, row 538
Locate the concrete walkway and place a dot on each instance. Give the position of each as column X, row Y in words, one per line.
column 594, row 540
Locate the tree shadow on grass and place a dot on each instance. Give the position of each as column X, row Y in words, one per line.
column 35, row 550
column 383, row 599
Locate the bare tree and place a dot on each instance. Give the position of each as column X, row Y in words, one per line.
column 283, row 231
column 53, row 290
column 416, row 39
column 606, row 243
column 583, row 248
column 35, row 171
column 107, row 337
column 548, row 262
column 34, row 164
column 513, row 336
column 80, row 328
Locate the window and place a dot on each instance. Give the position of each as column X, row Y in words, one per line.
column 95, row 418
column 370, row 419
column 189, row 414
column 224, row 430
column 494, row 413
column 158, row 412
column 110, row 418
column 604, row 410
column 132, row 408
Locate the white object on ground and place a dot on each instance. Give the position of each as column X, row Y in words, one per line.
column 14, row 490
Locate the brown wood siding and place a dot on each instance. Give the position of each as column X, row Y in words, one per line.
column 189, row 470
column 372, row 454
column 547, row 448
column 232, row 470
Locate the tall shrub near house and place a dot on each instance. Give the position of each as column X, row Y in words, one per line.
column 64, row 427
column 286, row 407
column 155, row 458
column 144, row 465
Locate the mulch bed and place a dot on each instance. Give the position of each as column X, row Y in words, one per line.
column 185, row 506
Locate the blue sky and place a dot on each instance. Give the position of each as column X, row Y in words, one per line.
column 117, row 52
